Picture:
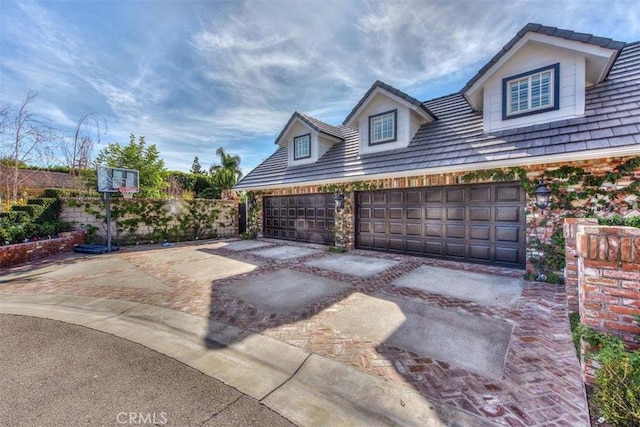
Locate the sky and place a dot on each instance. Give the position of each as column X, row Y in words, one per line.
column 192, row 76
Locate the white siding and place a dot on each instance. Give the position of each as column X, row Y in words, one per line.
column 381, row 104
column 531, row 57
column 299, row 129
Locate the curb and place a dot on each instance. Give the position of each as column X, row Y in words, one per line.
column 304, row 387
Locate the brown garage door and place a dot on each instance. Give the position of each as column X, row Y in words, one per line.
column 475, row 223
column 305, row 218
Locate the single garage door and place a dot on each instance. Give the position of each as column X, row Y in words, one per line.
column 305, row 218
column 475, row 223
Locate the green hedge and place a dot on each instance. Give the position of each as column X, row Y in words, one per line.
column 39, row 217
column 617, row 220
column 57, row 193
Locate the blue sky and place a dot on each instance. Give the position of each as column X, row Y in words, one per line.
column 195, row 75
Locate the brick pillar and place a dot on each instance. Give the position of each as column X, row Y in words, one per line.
column 609, row 280
column 570, row 227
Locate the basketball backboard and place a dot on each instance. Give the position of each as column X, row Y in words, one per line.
column 111, row 179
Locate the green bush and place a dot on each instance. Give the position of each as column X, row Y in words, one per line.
column 618, row 220
column 617, row 391
column 57, row 193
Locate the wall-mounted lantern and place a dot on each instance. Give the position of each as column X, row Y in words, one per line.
column 339, row 201
column 543, row 195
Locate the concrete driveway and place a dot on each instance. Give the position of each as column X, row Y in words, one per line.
column 331, row 338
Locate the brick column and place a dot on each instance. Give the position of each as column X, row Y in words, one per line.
column 570, row 228
column 609, row 280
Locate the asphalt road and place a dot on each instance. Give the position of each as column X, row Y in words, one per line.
column 53, row 373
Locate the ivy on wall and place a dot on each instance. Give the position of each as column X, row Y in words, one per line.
column 254, row 213
column 343, row 224
column 144, row 220
column 575, row 192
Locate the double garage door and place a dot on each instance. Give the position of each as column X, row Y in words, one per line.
column 305, row 218
column 475, row 223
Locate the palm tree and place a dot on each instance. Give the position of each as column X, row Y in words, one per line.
column 227, row 173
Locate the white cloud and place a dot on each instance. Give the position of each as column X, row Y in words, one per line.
column 193, row 76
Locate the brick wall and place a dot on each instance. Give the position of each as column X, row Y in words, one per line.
column 609, row 279
column 25, row 252
column 77, row 211
column 538, row 225
column 570, row 228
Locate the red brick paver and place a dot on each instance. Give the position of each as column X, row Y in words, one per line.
column 541, row 382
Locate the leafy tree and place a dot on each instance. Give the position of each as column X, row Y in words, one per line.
column 146, row 159
column 196, row 168
column 227, row 173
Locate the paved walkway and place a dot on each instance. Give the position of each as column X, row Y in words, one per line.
column 540, row 382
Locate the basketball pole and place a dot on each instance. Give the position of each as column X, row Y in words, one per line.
column 107, row 207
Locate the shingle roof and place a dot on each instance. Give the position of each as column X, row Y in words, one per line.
column 313, row 123
column 378, row 84
column 549, row 31
column 611, row 120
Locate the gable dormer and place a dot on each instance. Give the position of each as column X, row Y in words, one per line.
column 386, row 119
column 307, row 139
column 540, row 76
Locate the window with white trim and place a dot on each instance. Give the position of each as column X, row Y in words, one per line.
column 382, row 127
column 302, row 147
column 532, row 92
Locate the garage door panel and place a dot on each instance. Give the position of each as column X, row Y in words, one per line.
column 507, row 214
column 433, row 195
column 455, row 250
column 482, row 213
column 413, row 196
column 414, row 213
column 414, row 229
column 507, row 255
column 433, row 230
column 479, row 223
column 479, row 232
column 432, row 247
column 433, row 213
column 455, row 195
column 509, row 193
column 395, row 197
column 306, row 218
column 454, row 231
column 395, row 213
column 396, row 245
column 480, row 194
column 396, row 228
column 456, row 213
column 380, row 242
column 507, row 234
column 414, row 246
column 480, row 252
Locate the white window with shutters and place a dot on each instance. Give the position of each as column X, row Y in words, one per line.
column 531, row 93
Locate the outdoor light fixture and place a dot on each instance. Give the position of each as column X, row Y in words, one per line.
column 339, row 200
column 543, row 195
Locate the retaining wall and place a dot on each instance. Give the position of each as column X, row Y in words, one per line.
column 25, row 252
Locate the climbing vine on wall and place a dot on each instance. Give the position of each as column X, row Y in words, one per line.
column 145, row 220
column 343, row 224
column 254, row 213
column 575, row 193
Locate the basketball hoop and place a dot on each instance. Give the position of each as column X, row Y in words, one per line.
column 127, row 192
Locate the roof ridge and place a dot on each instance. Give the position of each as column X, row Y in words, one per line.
column 546, row 30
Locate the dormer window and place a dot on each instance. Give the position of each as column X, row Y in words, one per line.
column 382, row 127
column 302, row 147
column 532, row 92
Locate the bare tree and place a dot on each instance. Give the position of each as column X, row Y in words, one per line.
column 79, row 153
column 26, row 139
